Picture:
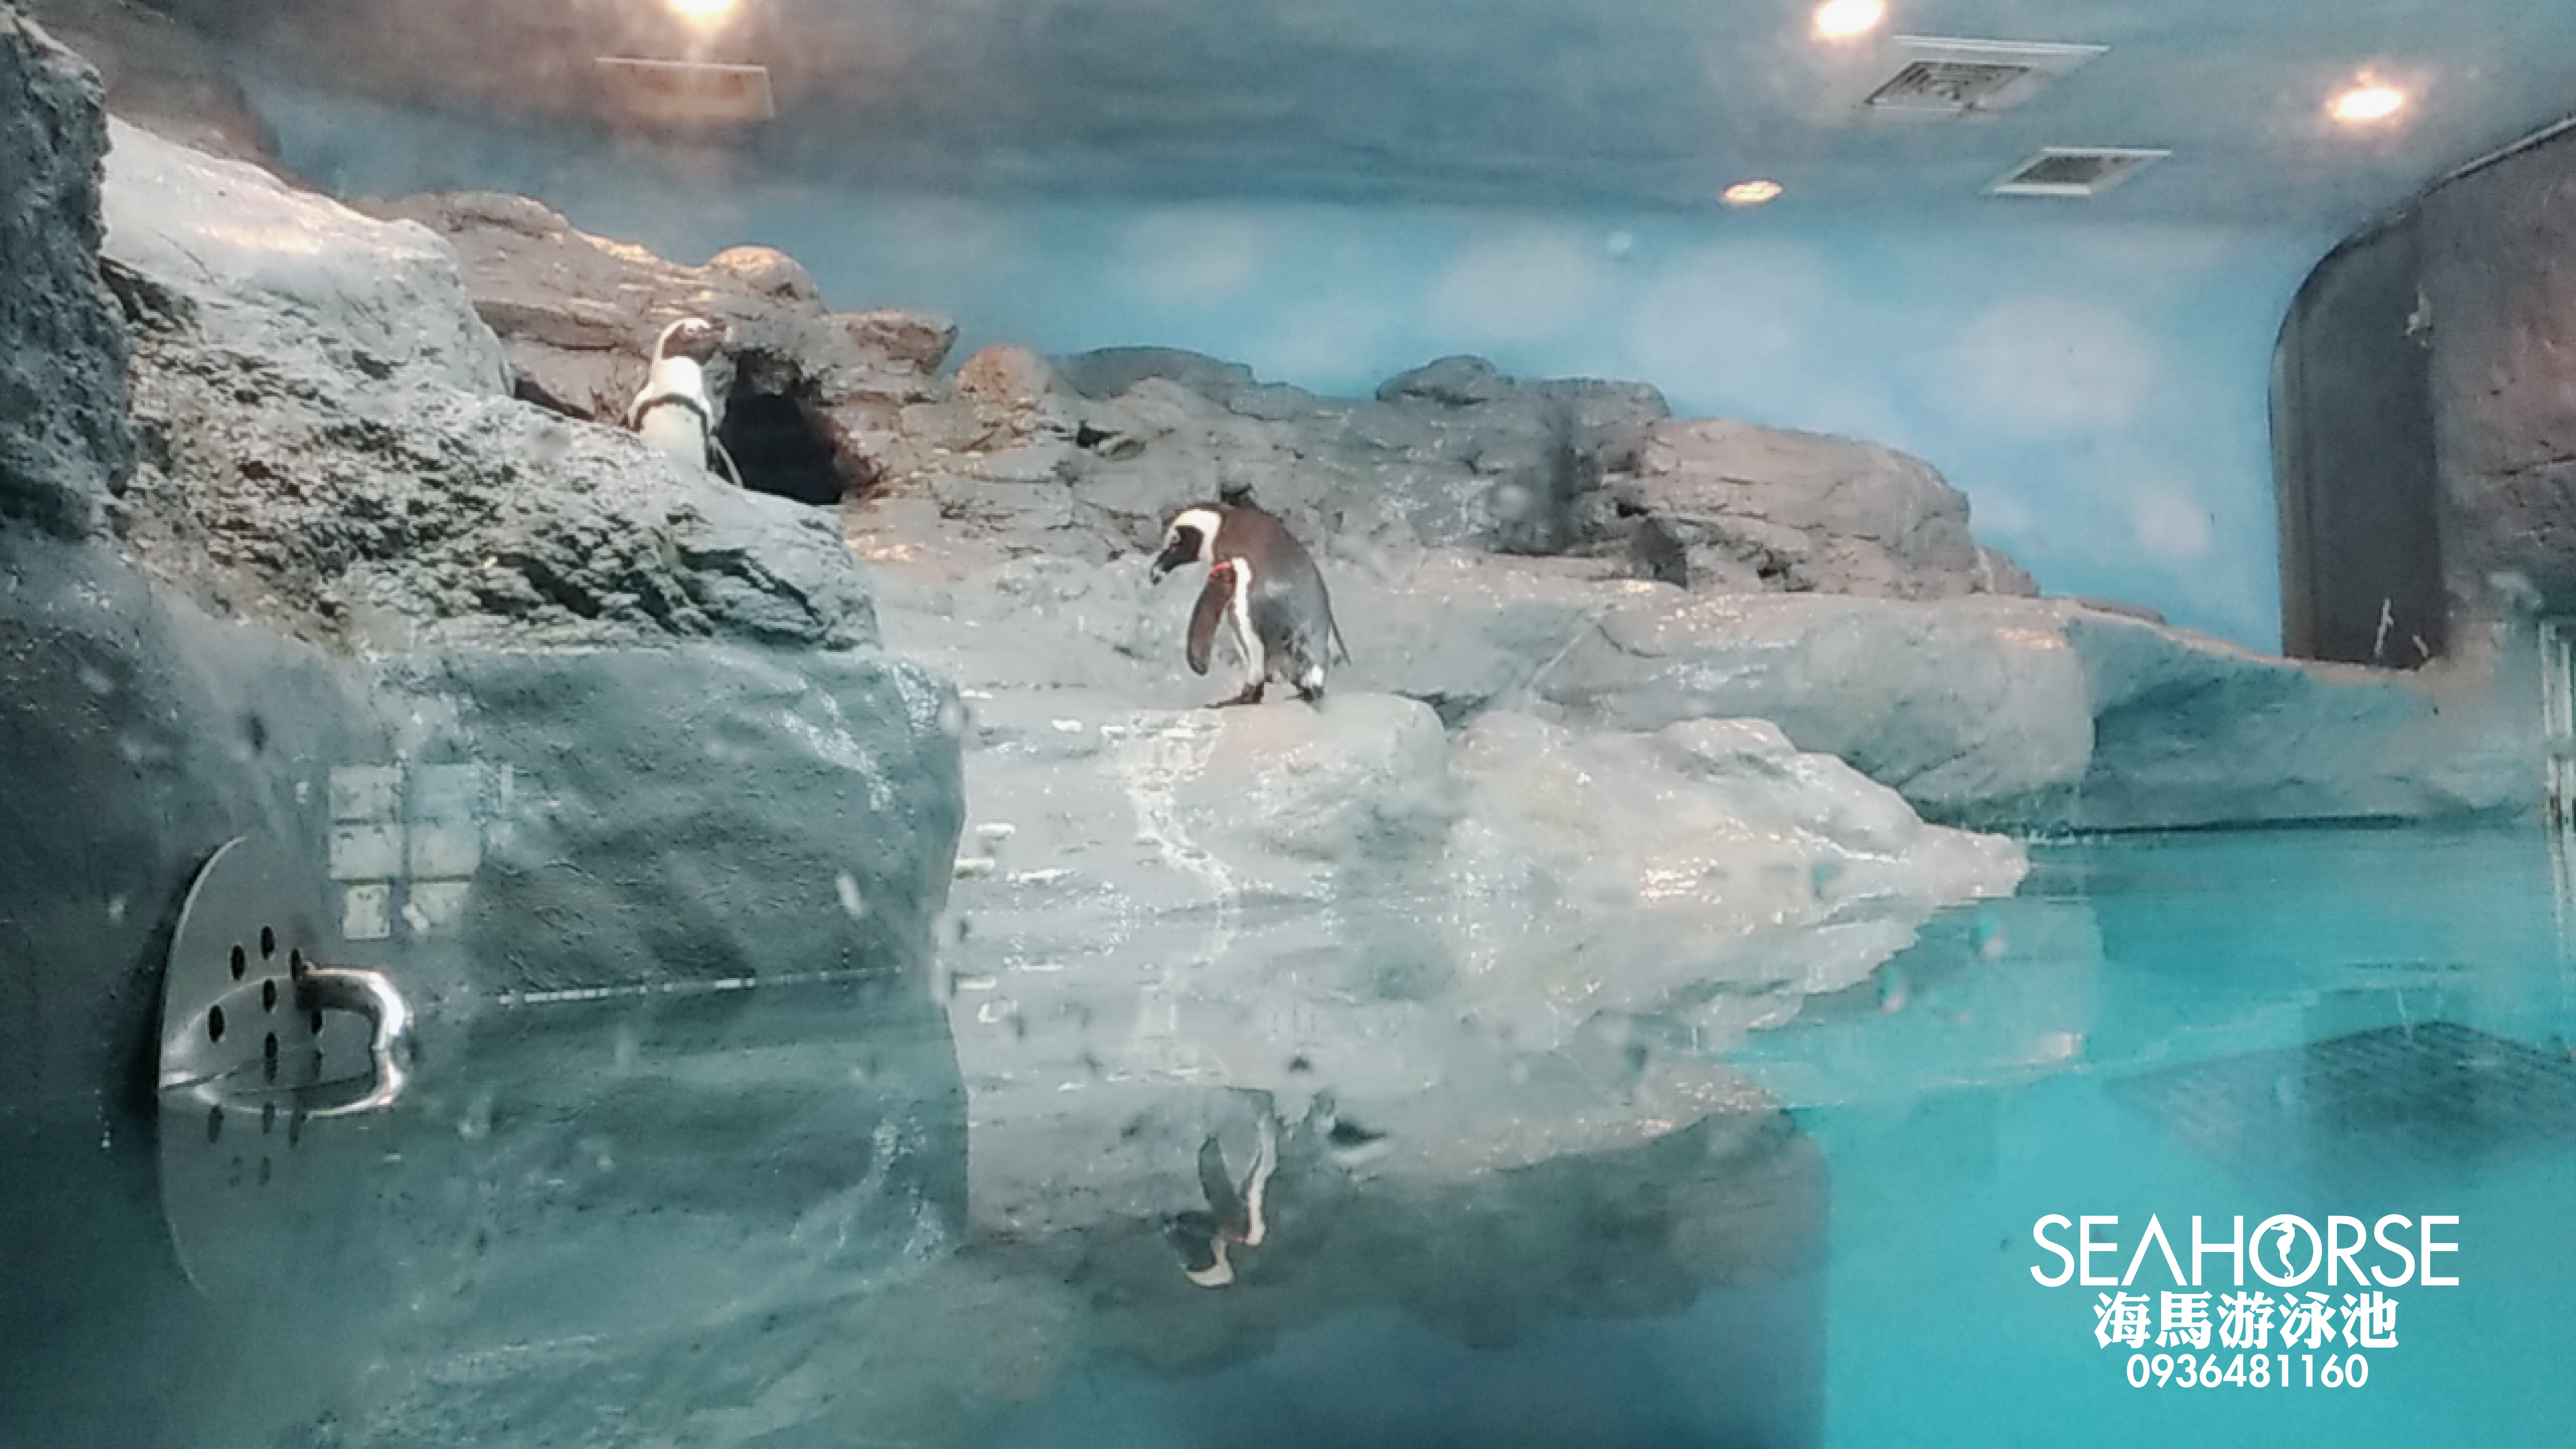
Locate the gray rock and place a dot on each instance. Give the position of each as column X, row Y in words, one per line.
column 333, row 449
column 1742, row 509
column 1102, row 447
column 2497, row 297
column 2189, row 731
column 809, row 398
column 332, row 453
column 2048, row 715
column 626, row 816
column 1105, row 373
column 64, row 445
column 262, row 269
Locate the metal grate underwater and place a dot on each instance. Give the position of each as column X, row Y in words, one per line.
column 2435, row 1094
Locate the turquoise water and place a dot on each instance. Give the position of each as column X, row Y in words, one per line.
column 2002, row 1088
column 733, row 1221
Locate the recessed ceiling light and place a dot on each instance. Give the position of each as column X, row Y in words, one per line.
column 701, row 9
column 1750, row 193
column 2367, row 102
column 1843, row 19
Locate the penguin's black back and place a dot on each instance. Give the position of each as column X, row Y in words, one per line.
column 1290, row 606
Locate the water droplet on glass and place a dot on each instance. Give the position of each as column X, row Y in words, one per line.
column 851, row 901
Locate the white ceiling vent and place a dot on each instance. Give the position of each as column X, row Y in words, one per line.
column 686, row 93
column 2075, row 170
column 1940, row 77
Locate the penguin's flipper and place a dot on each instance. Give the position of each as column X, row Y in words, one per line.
column 1209, row 615
column 1225, row 1201
column 723, row 461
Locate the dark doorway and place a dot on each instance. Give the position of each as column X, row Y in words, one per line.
column 780, row 445
column 2352, row 447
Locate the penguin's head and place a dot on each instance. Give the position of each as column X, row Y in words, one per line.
column 695, row 338
column 1189, row 539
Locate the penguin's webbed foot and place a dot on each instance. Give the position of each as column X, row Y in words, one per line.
column 1251, row 695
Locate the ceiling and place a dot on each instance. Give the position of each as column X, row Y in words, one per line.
column 1593, row 103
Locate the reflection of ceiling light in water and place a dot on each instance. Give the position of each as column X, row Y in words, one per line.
column 2367, row 102
column 1750, row 193
column 1843, row 19
column 701, row 10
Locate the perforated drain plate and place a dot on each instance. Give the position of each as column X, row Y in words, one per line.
column 260, row 1043
column 2437, row 1094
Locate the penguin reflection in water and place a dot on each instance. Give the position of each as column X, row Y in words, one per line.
column 673, row 411
column 1235, row 1216
column 1263, row 592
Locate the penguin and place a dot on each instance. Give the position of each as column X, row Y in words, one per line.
column 1262, row 589
column 1235, row 1212
column 672, row 410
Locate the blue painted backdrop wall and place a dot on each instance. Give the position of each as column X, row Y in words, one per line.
column 2097, row 389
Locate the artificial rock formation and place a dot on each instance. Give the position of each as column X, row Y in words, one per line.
column 2497, row 291
column 63, row 440
column 1088, row 454
column 805, row 396
column 534, row 708
column 332, row 447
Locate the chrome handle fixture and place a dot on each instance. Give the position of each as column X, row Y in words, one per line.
column 249, row 1014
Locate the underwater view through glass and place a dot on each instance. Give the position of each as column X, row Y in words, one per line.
column 1175, row 724
column 713, row 1218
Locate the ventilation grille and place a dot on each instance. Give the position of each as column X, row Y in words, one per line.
column 681, row 93
column 2075, row 170
column 1955, row 77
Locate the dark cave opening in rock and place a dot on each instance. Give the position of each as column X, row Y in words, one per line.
column 780, row 446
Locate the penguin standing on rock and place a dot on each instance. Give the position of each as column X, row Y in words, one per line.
column 1262, row 591
column 672, row 411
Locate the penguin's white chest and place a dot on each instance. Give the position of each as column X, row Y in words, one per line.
column 676, row 431
column 677, row 428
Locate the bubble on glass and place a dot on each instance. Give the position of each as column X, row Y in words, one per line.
column 1619, row 244
column 116, row 910
column 853, row 904
column 952, row 718
column 1512, row 501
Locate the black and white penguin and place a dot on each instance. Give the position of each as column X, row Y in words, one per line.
column 672, row 410
column 1262, row 591
column 1235, row 1213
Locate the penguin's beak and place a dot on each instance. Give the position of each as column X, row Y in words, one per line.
column 1172, row 557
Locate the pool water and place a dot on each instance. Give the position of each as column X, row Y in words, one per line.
column 733, row 1220
column 2211, row 1024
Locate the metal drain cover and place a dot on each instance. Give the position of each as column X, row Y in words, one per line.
column 2437, row 1094
column 261, row 1044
